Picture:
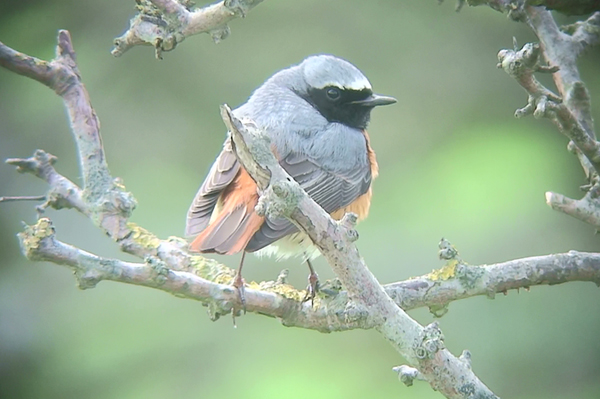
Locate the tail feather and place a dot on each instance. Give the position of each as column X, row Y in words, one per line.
column 236, row 221
column 229, row 233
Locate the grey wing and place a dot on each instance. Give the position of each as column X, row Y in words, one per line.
column 221, row 174
column 332, row 191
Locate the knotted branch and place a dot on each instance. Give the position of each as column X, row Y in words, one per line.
column 570, row 111
column 165, row 23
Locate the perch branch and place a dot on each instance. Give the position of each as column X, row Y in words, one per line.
column 165, row 23
column 170, row 268
column 422, row 347
column 205, row 280
column 39, row 243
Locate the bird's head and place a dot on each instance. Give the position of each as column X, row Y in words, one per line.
column 339, row 91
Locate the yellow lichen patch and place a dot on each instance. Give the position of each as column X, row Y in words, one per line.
column 223, row 278
column 216, row 272
column 211, row 270
column 447, row 271
column 143, row 237
column 253, row 285
column 287, row 291
column 33, row 235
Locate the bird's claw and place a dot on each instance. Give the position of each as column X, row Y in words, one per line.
column 239, row 283
column 312, row 289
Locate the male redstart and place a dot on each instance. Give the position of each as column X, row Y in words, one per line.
column 316, row 114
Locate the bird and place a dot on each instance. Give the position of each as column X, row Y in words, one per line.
column 316, row 114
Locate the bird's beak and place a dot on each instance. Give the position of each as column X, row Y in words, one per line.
column 375, row 100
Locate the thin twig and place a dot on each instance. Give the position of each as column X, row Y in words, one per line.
column 63, row 193
column 23, row 198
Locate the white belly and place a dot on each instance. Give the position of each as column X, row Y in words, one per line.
column 297, row 244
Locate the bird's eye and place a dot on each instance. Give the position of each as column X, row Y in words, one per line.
column 333, row 93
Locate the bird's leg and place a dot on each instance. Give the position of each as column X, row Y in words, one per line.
column 313, row 284
column 238, row 283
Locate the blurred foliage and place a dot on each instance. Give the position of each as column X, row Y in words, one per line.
column 454, row 163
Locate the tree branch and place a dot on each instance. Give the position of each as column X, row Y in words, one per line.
column 422, row 347
column 165, row 23
column 169, row 267
column 571, row 111
column 108, row 204
column 521, row 65
column 568, row 7
column 586, row 209
column 562, row 50
column 25, row 65
column 515, row 11
column 63, row 193
column 38, row 243
column 209, row 282
column 458, row 280
column 103, row 198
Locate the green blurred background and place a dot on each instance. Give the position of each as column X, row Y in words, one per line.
column 454, row 163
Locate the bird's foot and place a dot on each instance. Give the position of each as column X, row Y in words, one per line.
column 312, row 289
column 239, row 283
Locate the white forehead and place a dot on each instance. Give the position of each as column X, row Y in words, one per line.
column 326, row 70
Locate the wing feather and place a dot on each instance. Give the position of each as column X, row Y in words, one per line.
column 332, row 191
column 221, row 174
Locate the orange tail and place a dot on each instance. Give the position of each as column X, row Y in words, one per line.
column 235, row 221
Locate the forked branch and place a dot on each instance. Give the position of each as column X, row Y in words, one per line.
column 570, row 110
column 165, row 23
column 109, row 207
column 169, row 267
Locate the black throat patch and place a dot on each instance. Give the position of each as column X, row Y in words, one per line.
column 335, row 104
